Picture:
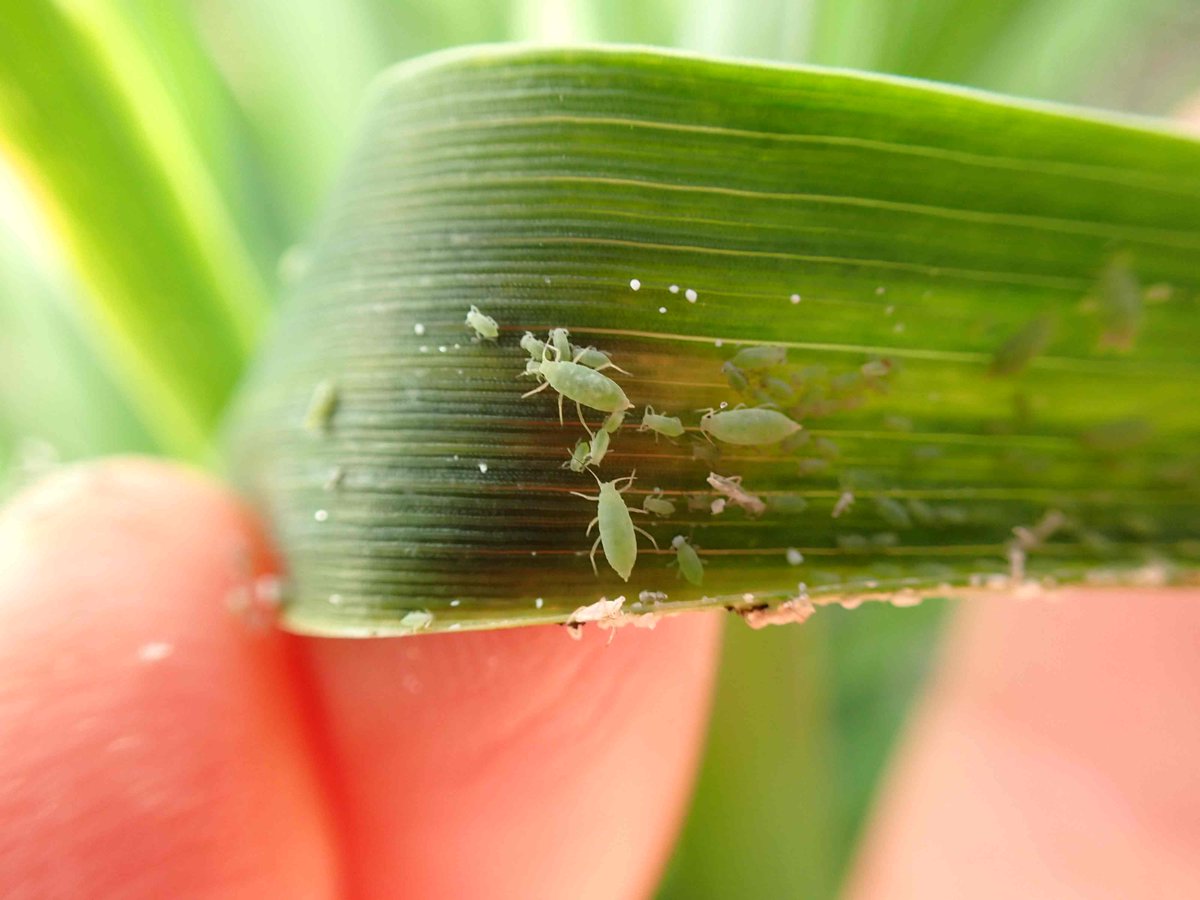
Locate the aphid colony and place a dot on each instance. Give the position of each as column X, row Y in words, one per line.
column 577, row 374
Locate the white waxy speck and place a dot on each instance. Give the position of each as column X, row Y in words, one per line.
column 674, row 289
column 718, row 506
column 321, row 515
column 879, row 290
column 662, row 309
column 898, row 327
column 794, row 556
column 634, row 284
column 539, row 602
column 483, row 467
column 795, row 298
column 442, row 349
column 718, row 343
column 749, row 598
column 155, row 651
column 454, row 627
column 423, row 349
column 888, row 310
column 691, row 295
column 418, row 329
column 455, row 602
column 335, row 599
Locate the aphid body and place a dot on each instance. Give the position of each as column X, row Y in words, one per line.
column 618, row 534
column 688, row 560
column 579, row 456
column 657, row 504
column 598, row 448
column 585, row 386
column 751, row 358
column 321, row 406
column 731, row 488
column 748, row 427
column 667, row 426
column 531, row 345
column 560, row 341
column 483, row 325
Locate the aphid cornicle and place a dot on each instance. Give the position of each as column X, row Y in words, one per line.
column 748, row 427
column 688, row 560
column 657, row 504
column 618, row 534
column 483, row 325
column 667, row 426
column 585, row 386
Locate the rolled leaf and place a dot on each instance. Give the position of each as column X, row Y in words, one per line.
column 985, row 311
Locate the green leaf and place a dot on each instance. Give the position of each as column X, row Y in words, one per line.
column 895, row 238
column 171, row 293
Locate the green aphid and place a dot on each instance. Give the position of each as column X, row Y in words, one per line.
column 594, row 359
column 483, row 325
column 893, row 512
column 321, row 406
column 736, row 377
column 756, row 358
column 614, row 421
column 667, row 426
column 658, row 505
column 598, row 448
column 688, row 560
column 531, row 345
column 1019, row 350
column 1120, row 303
column 559, row 340
column 618, row 534
column 748, row 427
column 579, row 457
column 585, row 386
column 778, row 390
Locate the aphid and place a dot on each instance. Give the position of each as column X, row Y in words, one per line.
column 559, row 340
column 688, row 560
column 483, row 325
column 747, row 427
column 667, row 426
column 617, row 532
column 531, row 345
column 598, row 448
column 532, row 367
column 736, row 377
column 754, row 358
column 876, row 368
column 321, row 406
column 585, row 386
column 579, row 457
column 658, row 505
column 1120, row 303
column 892, row 512
column 1019, row 350
column 778, row 390
column 844, row 502
column 614, row 421
column 731, row 488
column 594, row 359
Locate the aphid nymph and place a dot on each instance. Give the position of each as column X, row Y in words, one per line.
column 751, row 358
column 483, row 325
column 748, row 427
column 598, row 448
column 579, row 456
column 594, row 359
column 531, row 345
column 657, row 504
column 688, row 560
column 618, row 534
column 668, row 426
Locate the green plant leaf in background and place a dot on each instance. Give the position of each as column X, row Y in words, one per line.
column 953, row 276
column 173, row 297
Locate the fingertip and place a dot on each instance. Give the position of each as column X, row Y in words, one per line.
column 515, row 763
column 152, row 743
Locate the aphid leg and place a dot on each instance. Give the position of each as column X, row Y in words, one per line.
column 560, row 412
column 591, row 525
column 536, row 390
column 579, row 412
column 595, row 499
column 612, row 365
column 628, row 478
column 647, row 534
column 592, row 557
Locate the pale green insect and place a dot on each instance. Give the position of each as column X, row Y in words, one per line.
column 748, row 427
column 594, row 359
column 531, row 345
column 614, row 421
column 585, row 386
column 618, row 534
column 658, row 505
column 579, row 456
column 688, row 560
column 483, row 325
column 559, row 339
column 598, row 448
column 736, row 377
column 667, row 426
column 760, row 357
column 321, row 406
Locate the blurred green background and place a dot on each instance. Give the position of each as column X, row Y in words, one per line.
column 159, row 157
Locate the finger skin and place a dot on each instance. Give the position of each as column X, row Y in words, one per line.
column 1055, row 757
column 152, row 743
column 515, row 763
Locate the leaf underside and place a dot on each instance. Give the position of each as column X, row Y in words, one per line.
column 990, row 312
